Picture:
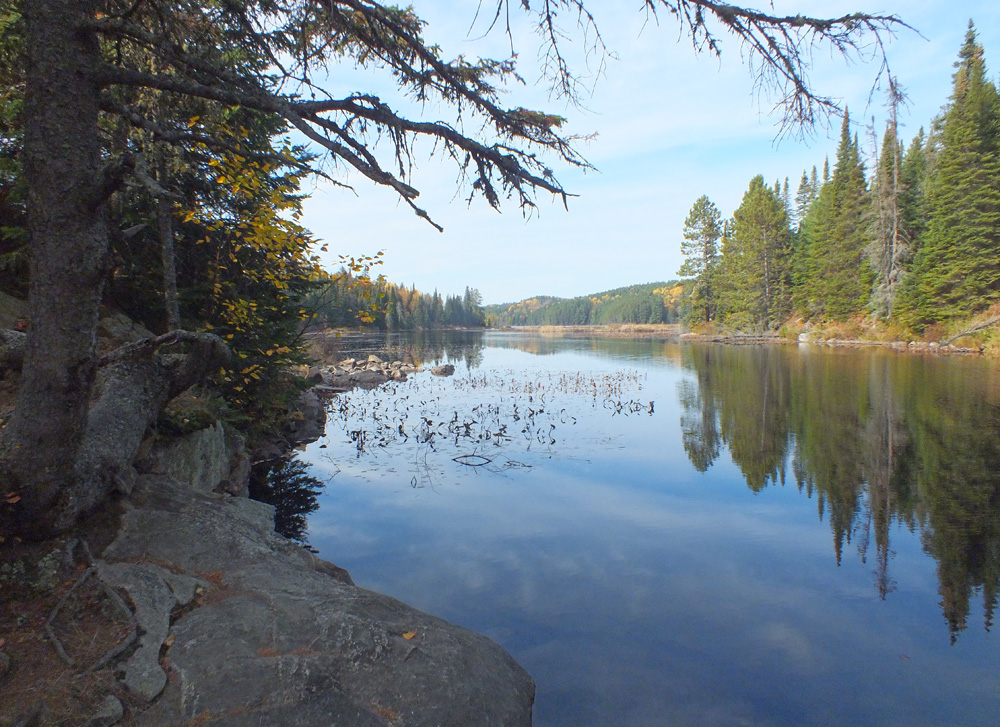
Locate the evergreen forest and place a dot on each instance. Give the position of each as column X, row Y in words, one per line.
column 346, row 300
column 648, row 303
column 910, row 239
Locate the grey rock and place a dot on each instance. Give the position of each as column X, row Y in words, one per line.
column 367, row 379
column 184, row 588
column 239, row 464
column 279, row 642
column 443, row 370
column 122, row 329
column 201, row 460
column 12, row 346
column 311, row 424
column 152, row 600
column 326, row 391
column 110, row 712
column 11, row 310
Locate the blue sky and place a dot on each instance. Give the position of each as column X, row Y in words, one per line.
column 670, row 126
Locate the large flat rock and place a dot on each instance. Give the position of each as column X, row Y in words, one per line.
column 276, row 637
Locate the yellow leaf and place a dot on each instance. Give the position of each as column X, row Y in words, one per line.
column 409, row 635
column 192, row 121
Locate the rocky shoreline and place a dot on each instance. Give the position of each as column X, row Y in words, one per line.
column 242, row 627
column 669, row 332
column 209, row 617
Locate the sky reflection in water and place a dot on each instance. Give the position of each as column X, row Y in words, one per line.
column 638, row 590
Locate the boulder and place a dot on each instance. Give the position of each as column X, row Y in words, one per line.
column 200, row 460
column 443, row 370
column 12, row 310
column 310, row 422
column 109, row 712
column 277, row 638
column 12, row 347
column 367, row 379
column 122, row 329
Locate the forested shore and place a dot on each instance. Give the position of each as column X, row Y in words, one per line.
column 906, row 246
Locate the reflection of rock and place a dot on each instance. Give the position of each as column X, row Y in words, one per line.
column 443, row 370
column 310, row 420
column 274, row 639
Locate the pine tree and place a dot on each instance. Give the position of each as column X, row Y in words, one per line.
column 913, row 174
column 754, row 275
column 700, row 247
column 804, row 198
column 957, row 268
column 837, row 278
column 889, row 247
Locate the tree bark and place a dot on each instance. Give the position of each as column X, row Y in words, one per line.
column 165, row 230
column 133, row 384
column 68, row 248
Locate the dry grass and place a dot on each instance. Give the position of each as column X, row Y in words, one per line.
column 39, row 583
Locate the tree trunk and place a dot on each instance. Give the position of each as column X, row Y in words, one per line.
column 68, row 248
column 133, row 384
column 165, row 230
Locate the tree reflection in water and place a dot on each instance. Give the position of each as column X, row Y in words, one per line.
column 878, row 438
column 287, row 484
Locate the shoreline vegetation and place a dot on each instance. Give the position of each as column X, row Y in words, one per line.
column 850, row 335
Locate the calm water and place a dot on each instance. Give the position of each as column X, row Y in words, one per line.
column 668, row 534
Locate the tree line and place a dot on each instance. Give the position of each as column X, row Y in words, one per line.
column 648, row 303
column 353, row 301
column 915, row 240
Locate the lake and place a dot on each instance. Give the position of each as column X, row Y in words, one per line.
column 668, row 533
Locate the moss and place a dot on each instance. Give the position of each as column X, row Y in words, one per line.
column 190, row 411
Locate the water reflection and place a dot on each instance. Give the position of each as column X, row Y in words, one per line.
column 287, row 484
column 877, row 439
column 418, row 348
column 491, row 419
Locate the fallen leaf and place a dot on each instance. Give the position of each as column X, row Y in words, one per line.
column 169, row 641
column 409, row 635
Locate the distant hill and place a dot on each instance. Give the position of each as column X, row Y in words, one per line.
column 661, row 302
